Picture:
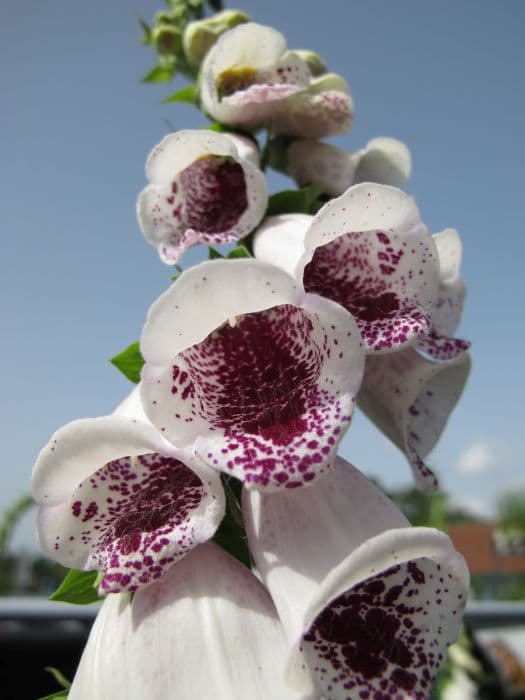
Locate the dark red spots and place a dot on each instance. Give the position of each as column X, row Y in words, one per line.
column 375, row 308
column 215, row 194
column 404, row 679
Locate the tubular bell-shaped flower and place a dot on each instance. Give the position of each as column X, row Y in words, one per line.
column 448, row 305
column 114, row 496
column 410, row 399
column 208, row 629
column 323, row 109
column 253, row 374
column 248, row 73
column 368, row 603
column 369, row 251
column 205, row 188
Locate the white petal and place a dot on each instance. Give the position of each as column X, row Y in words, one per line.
column 280, row 240
column 208, row 629
column 448, row 244
column 410, row 399
column 383, row 160
column 246, row 148
column 314, row 161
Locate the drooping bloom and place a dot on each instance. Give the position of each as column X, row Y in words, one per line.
column 205, row 188
column 448, row 305
column 322, row 109
column 248, row 73
column 114, row 496
column 368, row 603
column 369, row 251
column 253, row 374
column 385, row 161
column 207, row 629
column 410, row 399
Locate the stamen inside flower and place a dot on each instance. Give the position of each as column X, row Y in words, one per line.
column 234, row 79
column 215, row 193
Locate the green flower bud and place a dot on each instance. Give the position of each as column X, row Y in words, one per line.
column 200, row 36
column 166, row 39
column 315, row 63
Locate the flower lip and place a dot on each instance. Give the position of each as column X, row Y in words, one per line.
column 369, row 251
column 131, row 516
column 264, row 393
column 373, row 576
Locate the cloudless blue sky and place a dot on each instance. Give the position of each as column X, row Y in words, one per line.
column 77, row 277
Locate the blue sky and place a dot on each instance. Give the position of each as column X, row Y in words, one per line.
column 77, row 278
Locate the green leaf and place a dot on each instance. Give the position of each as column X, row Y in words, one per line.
column 231, row 534
column 215, row 126
column 214, row 254
column 146, row 29
column 78, row 588
column 55, row 696
column 59, row 677
column 240, row 251
column 188, row 94
column 294, row 201
column 129, row 362
column 159, row 74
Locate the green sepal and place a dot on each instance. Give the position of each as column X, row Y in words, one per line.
column 78, row 588
column 231, row 535
column 188, row 95
column 159, row 74
column 129, row 362
column 300, row 201
column 214, row 254
column 59, row 677
column 60, row 695
column 240, row 251
column 146, row 31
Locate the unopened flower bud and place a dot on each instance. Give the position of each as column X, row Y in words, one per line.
column 200, row 36
column 316, row 65
column 167, row 39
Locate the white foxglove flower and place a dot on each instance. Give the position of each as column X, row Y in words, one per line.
column 368, row 603
column 248, row 73
column 322, row 109
column 114, row 496
column 369, row 251
column 410, row 399
column 205, row 188
column 207, row 629
column 314, row 161
column 253, row 374
column 384, row 160
column 448, row 305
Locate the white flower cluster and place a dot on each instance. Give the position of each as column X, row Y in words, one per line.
column 252, row 369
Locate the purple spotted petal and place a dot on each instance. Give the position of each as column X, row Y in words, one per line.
column 410, row 399
column 376, row 607
column 131, row 517
column 267, row 394
column 387, row 636
column 442, row 348
column 202, row 191
column 369, row 251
